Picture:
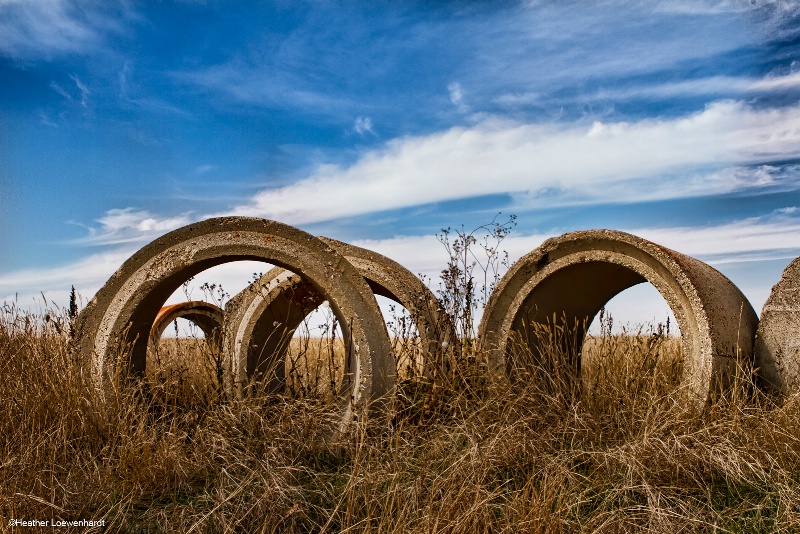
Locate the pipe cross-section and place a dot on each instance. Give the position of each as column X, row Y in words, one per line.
column 260, row 321
column 205, row 315
column 571, row 277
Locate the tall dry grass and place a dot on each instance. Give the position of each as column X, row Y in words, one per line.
column 614, row 450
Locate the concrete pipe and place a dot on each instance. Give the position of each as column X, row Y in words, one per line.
column 571, row 277
column 777, row 348
column 123, row 311
column 260, row 321
column 205, row 315
column 259, row 324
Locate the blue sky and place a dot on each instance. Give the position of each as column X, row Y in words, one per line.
column 379, row 123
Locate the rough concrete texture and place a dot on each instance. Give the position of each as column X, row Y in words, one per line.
column 777, row 348
column 389, row 279
column 123, row 311
column 259, row 324
column 569, row 278
column 205, row 315
column 260, row 320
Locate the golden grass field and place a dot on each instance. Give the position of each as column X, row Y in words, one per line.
column 616, row 451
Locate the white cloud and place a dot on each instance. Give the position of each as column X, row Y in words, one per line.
column 769, row 237
column 773, row 236
column 87, row 275
column 129, row 225
column 622, row 161
column 775, row 83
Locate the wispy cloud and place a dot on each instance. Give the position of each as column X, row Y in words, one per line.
column 131, row 91
column 43, row 29
column 363, row 125
column 715, row 7
column 520, row 54
column 263, row 85
column 671, row 185
column 44, row 118
column 205, row 168
column 457, row 97
column 519, row 98
column 599, row 162
column 552, row 50
column 60, row 90
column 708, row 86
column 129, row 225
column 82, row 88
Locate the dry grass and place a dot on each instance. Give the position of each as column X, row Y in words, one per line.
column 615, row 451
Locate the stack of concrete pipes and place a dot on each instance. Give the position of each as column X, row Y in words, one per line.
column 567, row 279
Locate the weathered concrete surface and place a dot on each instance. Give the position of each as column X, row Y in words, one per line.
column 259, row 324
column 389, row 279
column 205, row 315
column 777, row 348
column 571, row 277
column 124, row 309
column 260, row 320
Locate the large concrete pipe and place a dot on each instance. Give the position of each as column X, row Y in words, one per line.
column 260, row 320
column 259, row 323
column 777, row 349
column 569, row 278
column 123, row 311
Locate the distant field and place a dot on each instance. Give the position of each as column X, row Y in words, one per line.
column 613, row 451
